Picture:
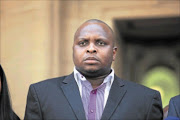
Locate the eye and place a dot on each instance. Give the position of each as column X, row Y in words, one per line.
column 101, row 43
column 83, row 43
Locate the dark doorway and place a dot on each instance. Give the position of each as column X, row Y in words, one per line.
column 150, row 53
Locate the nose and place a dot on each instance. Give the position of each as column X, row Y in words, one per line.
column 91, row 49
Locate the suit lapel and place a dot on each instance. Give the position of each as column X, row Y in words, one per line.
column 116, row 94
column 72, row 94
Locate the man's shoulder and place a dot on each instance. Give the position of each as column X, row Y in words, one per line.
column 137, row 88
column 50, row 81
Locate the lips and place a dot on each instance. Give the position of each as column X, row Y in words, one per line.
column 91, row 60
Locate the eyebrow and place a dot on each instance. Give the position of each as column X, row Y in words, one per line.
column 99, row 38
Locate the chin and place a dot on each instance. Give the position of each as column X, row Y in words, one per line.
column 91, row 73
column 91, row 69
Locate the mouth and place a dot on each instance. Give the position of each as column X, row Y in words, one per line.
column 91, row 60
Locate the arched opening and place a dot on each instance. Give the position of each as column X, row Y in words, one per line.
column 164, row 80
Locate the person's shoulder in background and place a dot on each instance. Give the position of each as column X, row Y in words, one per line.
column 174, row 107
column 172, row 118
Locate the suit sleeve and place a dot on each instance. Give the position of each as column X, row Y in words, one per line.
column 172, row 111
column 33, row 110
column 155, row 108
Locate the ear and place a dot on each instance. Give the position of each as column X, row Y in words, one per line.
column 114, row 53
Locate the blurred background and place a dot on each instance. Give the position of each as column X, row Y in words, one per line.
column 36, row 38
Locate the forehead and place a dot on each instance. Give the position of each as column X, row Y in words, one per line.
column 95, row 29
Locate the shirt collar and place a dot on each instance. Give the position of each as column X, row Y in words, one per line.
column 78, row 77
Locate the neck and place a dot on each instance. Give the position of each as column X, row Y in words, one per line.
column 97, row 81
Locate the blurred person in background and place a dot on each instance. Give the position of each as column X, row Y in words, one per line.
column 6, row 111
column 174, row 108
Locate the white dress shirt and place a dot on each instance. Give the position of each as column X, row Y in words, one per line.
column 108, row 80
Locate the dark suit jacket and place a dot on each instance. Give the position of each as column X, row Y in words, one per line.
column 174, row 107
column 59, row 99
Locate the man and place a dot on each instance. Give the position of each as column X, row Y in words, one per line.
column 92, row 91
column 174, row 108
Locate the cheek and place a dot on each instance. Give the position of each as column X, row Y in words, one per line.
column 107, row 56
column 77, row 55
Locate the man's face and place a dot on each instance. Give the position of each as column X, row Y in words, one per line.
column 93, row 49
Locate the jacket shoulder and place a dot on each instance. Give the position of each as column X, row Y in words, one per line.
column 140, row 90
column 49, row 82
